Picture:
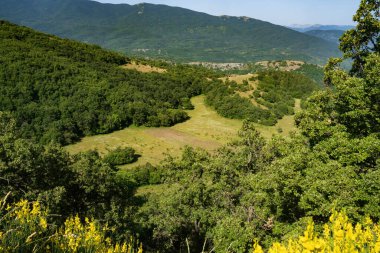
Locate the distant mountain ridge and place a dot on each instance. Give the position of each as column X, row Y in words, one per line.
column 306, row 28
column 167, row 32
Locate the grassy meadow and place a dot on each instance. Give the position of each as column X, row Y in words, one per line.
column 143, row 68
column 205, row 129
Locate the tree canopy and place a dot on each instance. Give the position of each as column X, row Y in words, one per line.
column 250, row 189
column 267, row 189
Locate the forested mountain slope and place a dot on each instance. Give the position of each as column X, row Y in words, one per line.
column 167, row 32
column 328, row 35
column 252, row 190
column 60, row 90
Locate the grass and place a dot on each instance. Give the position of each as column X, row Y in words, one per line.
column 286, row 124
column 143, row 68
column 205, row 129
column 240, row 78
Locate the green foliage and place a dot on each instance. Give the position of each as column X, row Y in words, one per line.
column 288, row 84
column 352, row 106
column 363, row 40
column 121, row 156
column 82, row 184
column 27, row 227
column 60, row 90
column 230, row 105
column 202, row 199
column 143, row 175
column 253, row 189
column 314, row 72
column 276, row 91
column 148, row 30
column 328, row 35
column 217, row 202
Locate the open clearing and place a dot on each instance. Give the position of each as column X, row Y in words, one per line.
column 281, row 65
column 205, row 129
column 143, row 68
column 240, row 78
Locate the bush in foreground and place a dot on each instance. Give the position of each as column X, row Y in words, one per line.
column 339, row 235
column 26, row 227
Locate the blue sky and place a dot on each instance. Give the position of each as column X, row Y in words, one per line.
column 283, row 12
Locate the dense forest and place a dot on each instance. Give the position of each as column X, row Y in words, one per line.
column 61, row 90
column 251, row 192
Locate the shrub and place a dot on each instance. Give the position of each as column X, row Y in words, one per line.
column 121, row 156
column 144, row 175
column 25, row 227
column 339, row 235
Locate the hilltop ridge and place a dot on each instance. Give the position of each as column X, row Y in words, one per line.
column 150, row 30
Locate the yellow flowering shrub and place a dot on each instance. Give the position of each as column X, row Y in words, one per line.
column 21, row 225
column 24, row 228
column 339, row 236
column 76, row 236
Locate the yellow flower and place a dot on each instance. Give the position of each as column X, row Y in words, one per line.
column 26, row 222
column 326, row 231
column 368, row 221
column 36, row 209
column 257, row 248
column 339, row 236
column 22, row 211
column 43, row 223
column 140, row 249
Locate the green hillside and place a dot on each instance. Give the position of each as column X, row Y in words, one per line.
column 328, row 35
column 317, row 190
column 61, row 90
column 167, row 32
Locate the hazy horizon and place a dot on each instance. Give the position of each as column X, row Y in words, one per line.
column 282, row 12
